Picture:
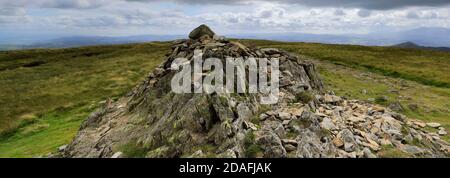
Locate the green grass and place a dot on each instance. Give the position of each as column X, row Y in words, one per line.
column 133, row 149
column 32, row 122
column 392, row 152
column 423, row 66
column 45, row 134
column 68, row 77
column 251, row 148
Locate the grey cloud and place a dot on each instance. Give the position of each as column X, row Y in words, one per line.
column 10, row 11
column 366, row 4
column 339, row 12
column 13, row 15
column 372, row 4
column 431, row 15
column 61, row 4
column 364, row 13
column 412, row 15
column 74, row 4
column 423, row 15
column 266, row 14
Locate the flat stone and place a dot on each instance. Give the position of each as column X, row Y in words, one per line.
column 442, row 132
column 411, row 149
column 286, row 122
column 328, row 124
column 298, row 112
column 270, row 51
column 263, row 116
column 290, row 147
column 349, row 140
column 215, row 44
column 338, row 142
column 368, row 153
column 62, row 148
column 433, row 124
column 355, row 119
column 284, row 115
column 378, row 108
column 419, row 123
column 270, row 113
column 250, row 125
column 117, row 155
column 289, row 141
column 331, row 98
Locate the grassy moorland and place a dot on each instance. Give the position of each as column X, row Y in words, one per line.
column 46, row 94
column 423, row 66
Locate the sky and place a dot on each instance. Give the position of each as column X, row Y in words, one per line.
column 20, row 18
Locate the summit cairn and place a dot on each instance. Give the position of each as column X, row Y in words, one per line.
column 201, row 31
column 307, row 122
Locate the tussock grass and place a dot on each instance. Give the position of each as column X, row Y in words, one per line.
column 34, row 96
column 423, row 66
column 67, row 77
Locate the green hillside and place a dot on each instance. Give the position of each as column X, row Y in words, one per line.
column 46, row 94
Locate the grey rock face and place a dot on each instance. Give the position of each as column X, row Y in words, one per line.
column 159, row 123
column 312, row 145
column 271, row 144
column 349, row 140
column 200, row 31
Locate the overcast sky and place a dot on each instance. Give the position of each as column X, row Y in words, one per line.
column 132, row 17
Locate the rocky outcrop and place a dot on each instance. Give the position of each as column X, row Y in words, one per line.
column 152, row 121
column 349, row 128
column 201, row 31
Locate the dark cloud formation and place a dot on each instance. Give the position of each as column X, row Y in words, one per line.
column 364, row 13
column 8, row 11
column 59, row 4
column 412, row 15
column 339, row 12
column 365, row 4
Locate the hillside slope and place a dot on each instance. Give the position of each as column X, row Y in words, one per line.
column 412, row 45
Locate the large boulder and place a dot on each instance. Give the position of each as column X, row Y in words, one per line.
column 201, row 31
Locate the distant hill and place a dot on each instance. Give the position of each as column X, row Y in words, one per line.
column 9, row 47
column 432, row 37
column 78, row 41
column 429, row 37
column 412, row 45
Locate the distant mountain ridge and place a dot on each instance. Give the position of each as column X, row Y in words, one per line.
column 412, row 45
column 77, row 41
column 432, row 38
